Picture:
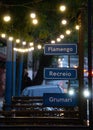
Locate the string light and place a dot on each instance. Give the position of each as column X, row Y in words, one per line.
column 77, row 27
column 24, row 43
column 58, row 39
column 39, row 46
column 32, row 15
column 3, row 35
column 53, row 41
column 62, row 8
column 35, row 21
column 31, row 44
column 64, row 22
column 7, row 18
column 61, row 36
column 10, row 38
column 68, row 32
column 17, row 40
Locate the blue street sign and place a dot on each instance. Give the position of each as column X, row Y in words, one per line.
column 60, row 73
column 58, row 99
column 58, row 49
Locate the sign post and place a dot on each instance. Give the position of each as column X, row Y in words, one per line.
column 57, row 99
column 90, row 42
column 9, row 65
column 14, row 72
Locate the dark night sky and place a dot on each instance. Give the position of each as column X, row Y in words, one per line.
column 21, row 1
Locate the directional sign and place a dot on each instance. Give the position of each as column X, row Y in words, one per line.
column 59, row 99
column 58, row 49
column 60, row 73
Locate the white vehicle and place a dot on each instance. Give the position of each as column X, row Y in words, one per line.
column 39, row 90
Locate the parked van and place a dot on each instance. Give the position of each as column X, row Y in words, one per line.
column 39, row 90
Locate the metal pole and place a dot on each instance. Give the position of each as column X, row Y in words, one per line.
column 69, row 67
column 8, row 89
column 90, row 61
column 29, row 63
column 81, row 65
column 14, row 72
column 20, row 75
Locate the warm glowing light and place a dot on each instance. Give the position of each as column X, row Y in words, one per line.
column 24, row 43
column 62, row 36
column 77, row 27
column 32, row 48
column 64, row 22
column 58, row 39
column 17, row 40
column 68, row 32
column 32, row 15
column 85, row 70
column 62, row 8
column 92, row 72
column 39, row 46
column 53, row 41
column 10, row 38
column 35, row 21
column 3, row 35
column 31, row 43
column 23, row 50
column 7, row 18
column 75, row 66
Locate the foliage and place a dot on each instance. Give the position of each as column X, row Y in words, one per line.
column 48, row 15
